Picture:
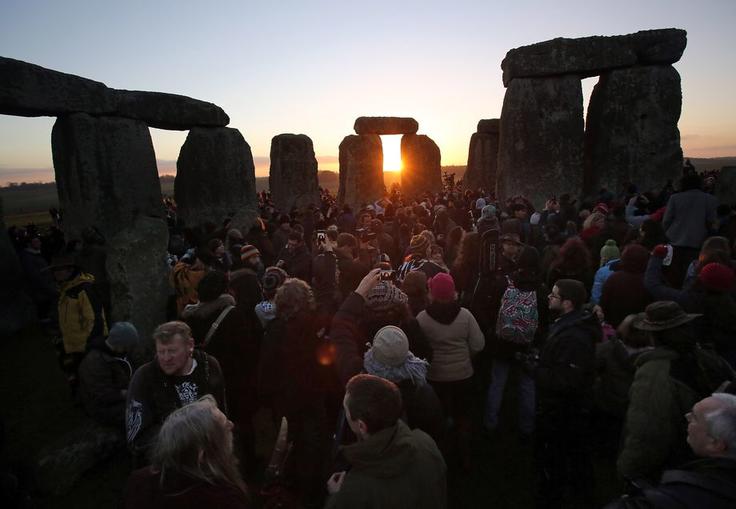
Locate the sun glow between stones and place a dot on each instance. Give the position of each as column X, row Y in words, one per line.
column 391, row 152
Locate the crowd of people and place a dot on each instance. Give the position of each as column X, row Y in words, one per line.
column 373, row 331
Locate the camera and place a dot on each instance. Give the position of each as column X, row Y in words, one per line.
column 388, row 275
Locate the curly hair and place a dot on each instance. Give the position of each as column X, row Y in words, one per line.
column 573, row 256
column 293, row 297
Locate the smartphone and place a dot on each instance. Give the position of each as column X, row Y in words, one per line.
column 321, row 237
column 388, row 275
column 668, row 259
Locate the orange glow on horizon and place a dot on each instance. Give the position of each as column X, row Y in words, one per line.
column 391, row 153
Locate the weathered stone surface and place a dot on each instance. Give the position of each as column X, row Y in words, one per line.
column 215, row 178
column 106, row 173
column 631, row 130
column 541, row 139
column 31, row 90
column 386, row 125
column 361, row 170
column 421, row 167
column 61, row 464
column 590, row 56
column 726, row 185
column 482, row 161
column 168, row 111
column 137, row 271
column 16, row 307
column 292, row 178
column 489, row 126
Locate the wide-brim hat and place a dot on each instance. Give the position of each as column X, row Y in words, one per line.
column 663, row 315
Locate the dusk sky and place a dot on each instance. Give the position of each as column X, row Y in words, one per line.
column 313, row 67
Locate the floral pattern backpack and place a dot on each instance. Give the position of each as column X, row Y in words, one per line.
column 518, row 316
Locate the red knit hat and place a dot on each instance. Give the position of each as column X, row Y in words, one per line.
column 717, row 277
column 442, row 287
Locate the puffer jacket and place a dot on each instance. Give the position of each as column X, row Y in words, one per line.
column 454, row 336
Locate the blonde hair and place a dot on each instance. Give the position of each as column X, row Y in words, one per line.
column 165, row 332
column 191, row 442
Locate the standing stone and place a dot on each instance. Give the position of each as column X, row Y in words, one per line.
column 215, row 178
column 106, row 173
column 106, row 177
column 421, row 166
column 631, row 131
column 483, row 156
column 541, row 140
column 292, row 178
column 361, row 170
column 386, row 125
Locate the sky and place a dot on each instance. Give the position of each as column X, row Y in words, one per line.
column 313, row 67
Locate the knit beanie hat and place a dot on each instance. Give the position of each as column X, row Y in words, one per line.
column 717, row 277
column 442, row 287
column 390, row 346
column 488, row 212
column 247, row 251
column 610, row 251
column 385, row 296
column 419, row 245
column 123, row 336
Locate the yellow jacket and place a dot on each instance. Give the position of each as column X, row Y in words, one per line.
column 80, row 314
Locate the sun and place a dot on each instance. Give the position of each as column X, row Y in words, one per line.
column 391, row 152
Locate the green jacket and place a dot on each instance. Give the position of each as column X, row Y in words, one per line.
column 394, row 468
column 655, row 432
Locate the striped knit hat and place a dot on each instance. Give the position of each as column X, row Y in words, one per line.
column 247, row 251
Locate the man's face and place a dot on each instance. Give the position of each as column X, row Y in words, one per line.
column 36, row 243
column 698, row 436
column 291, row 244
column 555, row 302
column 520, row 214
column 365, row 221
column 173, row 356
column 226, row 425
column 220, row 250
column 510, row 249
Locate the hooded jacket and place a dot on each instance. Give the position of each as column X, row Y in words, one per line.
column 81, row 316
column 393, row 468
column 455, row 337
column 103, row 376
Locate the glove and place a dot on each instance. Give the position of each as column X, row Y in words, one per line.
column 660, row 251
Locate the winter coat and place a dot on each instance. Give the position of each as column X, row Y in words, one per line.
column 705, row 482
column 153, row 395
column 566, row 368
column 655, row 429
column 81, row 316
column 688, row 217
column 600, row 278
column 393, row 468
column 349, row 334
column 615, row 367
column 145, row 490
column 455, row 337
column 103, row 376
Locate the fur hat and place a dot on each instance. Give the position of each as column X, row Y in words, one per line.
column 247, row 251
column 390, row 346
column 273, row 278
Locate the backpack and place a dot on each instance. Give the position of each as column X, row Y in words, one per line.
column 518, row 316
